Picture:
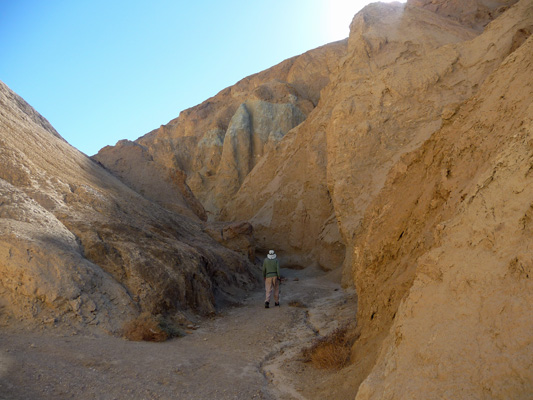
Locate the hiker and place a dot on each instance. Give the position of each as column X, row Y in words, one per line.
column 272, row 277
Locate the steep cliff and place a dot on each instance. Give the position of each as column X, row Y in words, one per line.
column 408, row 72
column 441, row 261
column 79, row 247
column 461, row 247
column 218, row 144
column 317, row 183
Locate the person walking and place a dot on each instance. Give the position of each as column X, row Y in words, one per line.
column 272, row 277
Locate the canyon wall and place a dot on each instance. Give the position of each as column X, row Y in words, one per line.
column 80, row 248
column 403, row 154
column 219, row 144
column 410, row 166
column 457, row 251
column 441, row 262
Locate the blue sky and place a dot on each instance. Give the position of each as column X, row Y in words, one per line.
column 101, row 71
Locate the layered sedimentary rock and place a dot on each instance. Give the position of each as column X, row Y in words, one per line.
column 408, row 72
column 404, row 153
column 441, row 261
column 406, row 157
column 457, row 251
column 77, row 246
column 218, row 144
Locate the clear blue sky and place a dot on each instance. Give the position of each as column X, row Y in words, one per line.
column 103, row 70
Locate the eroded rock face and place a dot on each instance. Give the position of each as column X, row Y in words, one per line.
column 409, row 146
column 474, row 13
column 286, row 199
column 238, row 236
column 255, row 128
column 134, row 165
column 219, row 144
column 467, row 305
column 399, row 78
column 407, row 76
column 44, row 275
column 441, row 262
column 79, row 247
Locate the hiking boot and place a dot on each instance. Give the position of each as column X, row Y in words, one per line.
column 276, row 304
column 266, row 304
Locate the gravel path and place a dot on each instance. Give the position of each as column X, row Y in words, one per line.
column 248, row 352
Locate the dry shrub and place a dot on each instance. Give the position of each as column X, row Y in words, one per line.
column 150, row 328
column 296, row 303
column 331, row 351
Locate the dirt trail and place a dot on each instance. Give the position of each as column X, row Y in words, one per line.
column 248, row 352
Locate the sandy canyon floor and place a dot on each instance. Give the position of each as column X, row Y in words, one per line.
column 247, row 352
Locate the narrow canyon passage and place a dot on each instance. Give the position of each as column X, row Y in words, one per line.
column 246, row 352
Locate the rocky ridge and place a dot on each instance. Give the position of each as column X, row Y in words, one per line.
column 79, row 248
column 218, row 144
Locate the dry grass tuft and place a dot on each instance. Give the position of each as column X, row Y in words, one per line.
column 150, row 328
column 296, row 303
column 331, row 351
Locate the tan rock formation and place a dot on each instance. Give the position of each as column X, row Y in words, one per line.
column 287, row 201
column 79, row 247
column 409, row 145
column 219, row 142
column 463, row 329
column 441, row 263
column 404, row 79
column 136, row 167
column 238, row 236
column 474, row 13
column 44, row 275
column 254, row 129
column 398, row 77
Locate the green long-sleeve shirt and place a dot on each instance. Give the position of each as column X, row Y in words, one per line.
column 271, row 268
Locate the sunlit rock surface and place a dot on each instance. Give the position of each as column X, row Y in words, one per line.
column 402, row 155
column 79, row 247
